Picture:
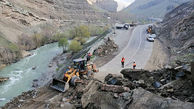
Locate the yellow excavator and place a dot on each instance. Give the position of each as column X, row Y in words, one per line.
column 72, row 74
column 150, row 30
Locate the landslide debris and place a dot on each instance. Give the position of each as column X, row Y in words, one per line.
column 138, row 89
column 107, row 48
column 169, row 83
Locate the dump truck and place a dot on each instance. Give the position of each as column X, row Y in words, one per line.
column 73, row 73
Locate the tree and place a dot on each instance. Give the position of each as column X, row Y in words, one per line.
column 80, row 33
column 75, row 46
column 63, row 42
column 84, row 30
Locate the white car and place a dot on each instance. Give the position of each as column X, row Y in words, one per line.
column 152, row 35
column 150, row 39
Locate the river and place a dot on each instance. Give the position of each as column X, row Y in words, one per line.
column 21, row 73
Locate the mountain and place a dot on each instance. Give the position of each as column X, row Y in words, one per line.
column 151, row 8
column 23, row 20
column 176, row 32
column 108, row 5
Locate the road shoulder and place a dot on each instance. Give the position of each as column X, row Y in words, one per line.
column 158, row 58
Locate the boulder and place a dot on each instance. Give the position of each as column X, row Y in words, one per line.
column 143, row 99
column 2, row 79
column 94, row 98
column 133, row 74
column 112, row 79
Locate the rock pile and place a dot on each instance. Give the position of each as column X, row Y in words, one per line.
column 121, row 93
column 108, row 48
column 173, row 83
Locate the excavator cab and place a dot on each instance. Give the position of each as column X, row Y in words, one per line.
column 80, row 64
column 150, row 30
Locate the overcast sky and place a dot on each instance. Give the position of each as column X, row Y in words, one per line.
column 123, row 3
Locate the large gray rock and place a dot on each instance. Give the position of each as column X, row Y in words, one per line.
column 143, row 99
column 133, row 74
column 94, row 98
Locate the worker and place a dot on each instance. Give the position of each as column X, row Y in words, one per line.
column 89, row 56
column 134, row 65
column 122, row 62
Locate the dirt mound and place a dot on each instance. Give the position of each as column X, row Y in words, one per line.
column 106, row 49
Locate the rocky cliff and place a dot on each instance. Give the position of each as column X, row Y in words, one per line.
column 144, row 9
column 177, row 30
column 108, row 5
column 22, row 20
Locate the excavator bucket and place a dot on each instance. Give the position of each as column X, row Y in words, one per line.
column 58, row 85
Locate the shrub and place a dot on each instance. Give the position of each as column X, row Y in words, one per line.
column 63, row 42
column 58, row 36
column 75, row 46
column 80, row 33
column 13, row 47
column 38, row 39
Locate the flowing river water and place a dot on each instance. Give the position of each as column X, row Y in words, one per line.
column 21, row 74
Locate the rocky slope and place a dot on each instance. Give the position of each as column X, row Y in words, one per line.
column 9, row 52
column 23, row 20
column 151, row 8
column 108, row 5
column 176, row 31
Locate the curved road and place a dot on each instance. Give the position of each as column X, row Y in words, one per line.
column 138, row 49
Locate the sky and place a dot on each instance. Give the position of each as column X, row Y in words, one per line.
column 123, row 3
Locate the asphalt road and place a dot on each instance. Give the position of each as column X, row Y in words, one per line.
column 138, row 49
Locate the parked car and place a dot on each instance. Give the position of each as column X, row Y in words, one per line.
column 122, row 26
column 150, row 39
column 152, row 35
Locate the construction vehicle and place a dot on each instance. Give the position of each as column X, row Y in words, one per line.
column 72, row 75
column 150, row 30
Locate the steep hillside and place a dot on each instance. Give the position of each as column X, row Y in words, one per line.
column 151, row 8
column 23, row 20
column 177, row 30
column 108, row 5
column 9, row 52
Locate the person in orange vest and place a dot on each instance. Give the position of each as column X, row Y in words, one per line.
column 122, row 62
column 89, row 56
column 134, row 65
